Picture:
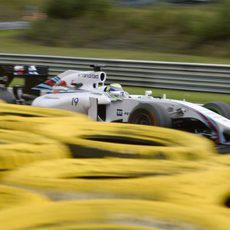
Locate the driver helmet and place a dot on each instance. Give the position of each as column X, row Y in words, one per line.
column 114, row 87
column 115, row 90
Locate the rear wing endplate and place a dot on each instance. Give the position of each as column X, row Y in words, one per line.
column 10, row 71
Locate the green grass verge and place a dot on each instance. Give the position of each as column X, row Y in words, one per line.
column 10, row 44
column 199, row 97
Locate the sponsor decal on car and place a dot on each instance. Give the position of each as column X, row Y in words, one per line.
column 75, row 101
column 120, row 112
column 89, row 75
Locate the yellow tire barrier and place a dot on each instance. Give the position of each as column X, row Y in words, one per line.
column 12, row 197
column 91, row 139
column 26, row 118
column 101, row 178
column 33, row 124
column 100, row 226
column 103, row 214
column 18, row 148
column 129, row 141
column 221, row 159
column 199, row 184
column 208, row 188
column 32, row 111
column 227, row 200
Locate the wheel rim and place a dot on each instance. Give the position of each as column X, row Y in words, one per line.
column 143, row 119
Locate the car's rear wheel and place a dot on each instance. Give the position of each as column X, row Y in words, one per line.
column 219, row 107
column 6, row 96
column 150, row 114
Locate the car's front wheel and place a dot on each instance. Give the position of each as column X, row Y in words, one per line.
column 150, row 114
column 219, row 107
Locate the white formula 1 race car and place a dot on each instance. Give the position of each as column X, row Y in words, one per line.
column 85, row 92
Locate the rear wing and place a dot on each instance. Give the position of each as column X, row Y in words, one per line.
column 33, row 75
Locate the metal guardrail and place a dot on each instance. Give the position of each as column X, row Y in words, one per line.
column 150, row 74
column 16, row 25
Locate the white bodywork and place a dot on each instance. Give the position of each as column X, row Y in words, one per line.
column 90, row 98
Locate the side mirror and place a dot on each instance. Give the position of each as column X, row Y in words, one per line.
column 148, row 93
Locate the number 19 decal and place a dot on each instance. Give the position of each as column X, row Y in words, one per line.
column 75, row 101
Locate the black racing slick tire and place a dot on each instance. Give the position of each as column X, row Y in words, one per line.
column 150, row 114
column 219, row 107
column 6, row 96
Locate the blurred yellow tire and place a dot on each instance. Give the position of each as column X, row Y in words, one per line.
column 198, row 184
column 103, row 178
column 19, row 148
column 27, row 118
column 118, row 213
column 32, row 111
column 208, row 188
column 129, row 141
column 13, row 197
